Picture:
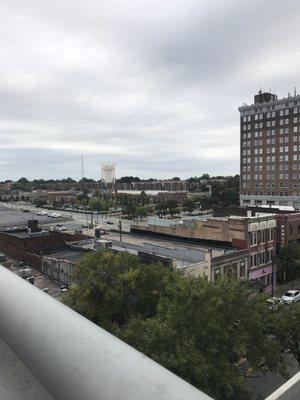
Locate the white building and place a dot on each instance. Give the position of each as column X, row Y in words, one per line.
column 108, row 171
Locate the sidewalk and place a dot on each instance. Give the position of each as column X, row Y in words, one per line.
column 281, row 289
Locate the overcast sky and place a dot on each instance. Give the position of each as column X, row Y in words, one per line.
column 151, row 85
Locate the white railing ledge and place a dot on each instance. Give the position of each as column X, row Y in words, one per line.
column 73, row 358
column 290, row 390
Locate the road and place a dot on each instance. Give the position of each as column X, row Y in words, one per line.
column 264, row 385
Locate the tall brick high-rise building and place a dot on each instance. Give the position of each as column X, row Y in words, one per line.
column 270, row 151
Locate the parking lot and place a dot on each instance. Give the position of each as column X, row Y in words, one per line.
column 17, row 218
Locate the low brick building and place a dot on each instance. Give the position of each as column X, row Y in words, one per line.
column 20, row 244
column 257, row 235
column 233, row 264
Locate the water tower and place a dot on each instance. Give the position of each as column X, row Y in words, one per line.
column 108, row 171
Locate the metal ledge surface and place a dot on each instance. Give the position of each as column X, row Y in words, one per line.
column 73, row 358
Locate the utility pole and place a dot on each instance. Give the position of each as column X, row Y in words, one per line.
column 92, row 218
column 120, row 228
column 273, row 277
column 273, row 255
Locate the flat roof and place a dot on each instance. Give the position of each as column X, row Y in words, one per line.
column 150, row 192
column 24, row 235
column 68, row 255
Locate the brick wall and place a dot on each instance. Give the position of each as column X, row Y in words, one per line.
column 288, row 228
column 33, row 260
column 218, row 230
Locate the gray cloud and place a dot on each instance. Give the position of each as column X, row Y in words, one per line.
column 153, row 86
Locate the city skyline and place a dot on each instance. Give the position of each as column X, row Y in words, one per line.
column 147, row 85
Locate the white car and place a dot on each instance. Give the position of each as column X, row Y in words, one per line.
column 291, row 296
column 54, row 215
column 274, row 303
column 61, row 228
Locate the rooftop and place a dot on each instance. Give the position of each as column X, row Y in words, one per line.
column 68, row 255
column 25, row 234
column 148, row 192
column 290, row 99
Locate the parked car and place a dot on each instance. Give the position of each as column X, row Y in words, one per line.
column 291, row 297
column 274, row 302
column 61, row 228
column 41, row 213
column 85, row 226
column 54, row 215
column 109, row 222
column 25, row 210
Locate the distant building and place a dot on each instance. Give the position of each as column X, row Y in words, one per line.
column 156, row 196
column 108, row 173
column 270, row 151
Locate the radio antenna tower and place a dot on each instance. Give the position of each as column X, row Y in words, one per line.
column 82, row 167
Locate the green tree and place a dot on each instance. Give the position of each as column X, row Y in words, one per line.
column 206, row 202
column 115, row 287
column 205, row 176
column 233, row 181
column 143, row 198
column 172, row 206
column 189, row 205
column 129, row 209
column 201, row 332
column 286, row 329
column 40, row 202
column 23, row 181
column 129, row 179
column 289, row 262
column 142, row 211
column 82, row 198
column 226, row 196
column 98, row 205
column 198, row 330
column 161, row 209
column 22, row 184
